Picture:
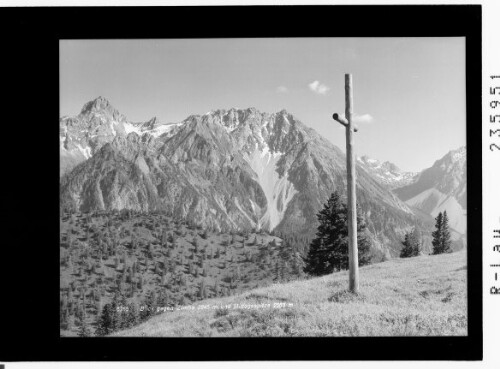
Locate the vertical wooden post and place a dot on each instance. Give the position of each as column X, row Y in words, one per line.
column 352, row 223
column 351, row 189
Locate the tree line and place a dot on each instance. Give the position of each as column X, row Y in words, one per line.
column 329, row 250
column 441, row 239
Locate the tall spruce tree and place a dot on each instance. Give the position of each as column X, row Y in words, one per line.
column 328, row 252
column 446, row 235
column 441, row 237
column 437, row 234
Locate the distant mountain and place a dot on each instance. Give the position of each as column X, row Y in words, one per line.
column 226, row 169
column 441, row 187
column 386, row 173
column 98, row 123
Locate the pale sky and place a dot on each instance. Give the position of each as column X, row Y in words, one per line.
column 409, row 92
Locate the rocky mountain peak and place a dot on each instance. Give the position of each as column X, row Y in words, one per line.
column 387, row 173
column 367, row 160
column 457, row 156
column 391, row 167
column 152, row 123
column 376, row 164
column 99, row 103
column 101, row 106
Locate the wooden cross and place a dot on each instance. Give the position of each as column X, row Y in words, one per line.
column 351, row 185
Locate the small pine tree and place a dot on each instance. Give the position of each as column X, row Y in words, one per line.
column 202, row 290
column 105, row 321
column 164, row 238
column 411, row 245
column 298, row 264
column 84, row 330
column 162, row 300
column 195, row 244
column 216, row 287
column 149, row 306
column 132, row 316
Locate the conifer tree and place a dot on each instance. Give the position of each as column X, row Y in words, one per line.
column 437, row 234
column 149, row 306
column 237, row 273
column 216, row 287
column 262, row 255
column 407, row 249
column 64, row 319
column 118, row 305
column 441, row 238
column 328, row 252
column 411, row 245
column 202, row 290
column 163, row 299
column 84, row 330
column 446, row 235
column 131, row 316
column 297, row 264
column 164, row 238
column 105, row 321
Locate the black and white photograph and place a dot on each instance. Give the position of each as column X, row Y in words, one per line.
column 227, row 183
column 263, row 187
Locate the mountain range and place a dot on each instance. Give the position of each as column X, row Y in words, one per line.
column 238, row 169
column 386, row 173
column 442, row 187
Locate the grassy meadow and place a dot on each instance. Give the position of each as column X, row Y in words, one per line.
column 419, row 296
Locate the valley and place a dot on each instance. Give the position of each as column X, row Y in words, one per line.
column 221, row 205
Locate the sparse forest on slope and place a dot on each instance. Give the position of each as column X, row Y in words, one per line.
column 153, row 260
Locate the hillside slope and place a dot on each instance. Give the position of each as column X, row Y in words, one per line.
column 135, row 255
column 421, row 296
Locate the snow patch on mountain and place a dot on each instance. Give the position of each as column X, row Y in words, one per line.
column 278, row 191
column 164, row 129
column 113, row 131
column 86, row 151
column 129, row 128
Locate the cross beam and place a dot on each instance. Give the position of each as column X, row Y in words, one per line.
column 351, row 185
